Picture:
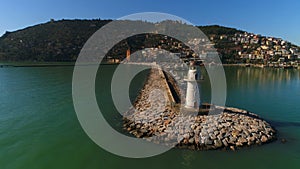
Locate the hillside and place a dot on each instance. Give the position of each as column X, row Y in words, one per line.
column 62, row 41
column 51, row 41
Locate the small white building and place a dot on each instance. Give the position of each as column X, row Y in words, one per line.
column 192, row 93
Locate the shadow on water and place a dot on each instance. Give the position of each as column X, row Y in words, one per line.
column 284, row 124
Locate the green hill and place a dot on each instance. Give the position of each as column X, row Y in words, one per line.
column 62, row 41
column 51, row 41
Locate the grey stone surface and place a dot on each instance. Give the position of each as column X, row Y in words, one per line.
column 163, row 124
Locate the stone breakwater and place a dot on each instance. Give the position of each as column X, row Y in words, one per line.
column 153, row 119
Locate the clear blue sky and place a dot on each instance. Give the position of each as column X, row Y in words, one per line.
column 279, row 18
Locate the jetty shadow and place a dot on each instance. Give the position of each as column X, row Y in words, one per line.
column 249, row 114
column 284, row 123
column 210, row 109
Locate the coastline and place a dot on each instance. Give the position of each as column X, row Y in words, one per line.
column 59, row 64
column 264, row 66
column 48, row 64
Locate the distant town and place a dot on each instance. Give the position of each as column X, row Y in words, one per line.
column 266, row 51
column 243, row 48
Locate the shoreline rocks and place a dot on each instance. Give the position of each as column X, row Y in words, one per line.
column 156, row 121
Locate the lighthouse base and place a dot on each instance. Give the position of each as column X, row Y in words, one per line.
column 204, row 109
column 191, row 109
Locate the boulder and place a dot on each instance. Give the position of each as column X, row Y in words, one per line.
column 232, row 140
column 235, row 133
column 283, row 140
column 264, row 139
column 191, row 140
column 208, row 141
column 224, row 141
column 242, row 140
column 218, row 143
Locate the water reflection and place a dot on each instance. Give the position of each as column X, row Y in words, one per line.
column 257, row 82
column 264, row 76
column 187, row 159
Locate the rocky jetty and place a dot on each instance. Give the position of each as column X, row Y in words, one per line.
column 154, row 119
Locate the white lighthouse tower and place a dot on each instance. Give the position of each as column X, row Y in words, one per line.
column 192, row 100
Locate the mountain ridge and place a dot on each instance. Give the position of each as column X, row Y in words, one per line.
column 62, row 40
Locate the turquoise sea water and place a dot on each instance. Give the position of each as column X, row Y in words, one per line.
column 39, row 128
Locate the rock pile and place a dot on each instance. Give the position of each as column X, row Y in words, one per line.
column 157, row 122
